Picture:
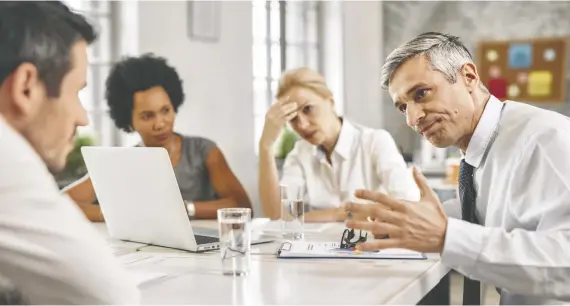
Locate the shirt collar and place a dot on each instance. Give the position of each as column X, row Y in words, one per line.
column 343, row 144
column 484, row 130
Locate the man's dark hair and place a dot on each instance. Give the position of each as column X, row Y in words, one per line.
column 41, row 33
column 134, row 74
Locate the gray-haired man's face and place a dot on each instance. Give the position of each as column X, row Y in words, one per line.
column 441, row 112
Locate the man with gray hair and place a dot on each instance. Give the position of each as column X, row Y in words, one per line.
column 514, row 181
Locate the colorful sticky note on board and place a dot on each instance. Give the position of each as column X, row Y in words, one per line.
column 492, row 55
column 498, row 88
column 522, row 77
column 513, row 91
column 539, row 83
column 494, row 72
column 549, row 55
column 520, row 55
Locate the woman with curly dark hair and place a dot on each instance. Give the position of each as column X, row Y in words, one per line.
column 144, row 94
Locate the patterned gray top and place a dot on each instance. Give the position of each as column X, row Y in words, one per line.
column 192, row 172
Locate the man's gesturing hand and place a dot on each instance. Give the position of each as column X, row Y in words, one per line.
column 418, row 226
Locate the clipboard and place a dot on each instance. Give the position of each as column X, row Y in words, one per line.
column 332, row 250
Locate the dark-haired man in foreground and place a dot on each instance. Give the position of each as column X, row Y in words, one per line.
column 48, row 250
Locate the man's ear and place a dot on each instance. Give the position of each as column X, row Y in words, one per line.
column 26, row 90
column 470, row 76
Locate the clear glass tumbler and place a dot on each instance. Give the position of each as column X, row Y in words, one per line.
column 292, row 211
column 234, row 226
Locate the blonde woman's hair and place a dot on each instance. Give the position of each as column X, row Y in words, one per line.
column 303, row 77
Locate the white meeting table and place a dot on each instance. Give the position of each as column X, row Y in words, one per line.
column 178, row 277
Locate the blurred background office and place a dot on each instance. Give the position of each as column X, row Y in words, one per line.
column 231, row 53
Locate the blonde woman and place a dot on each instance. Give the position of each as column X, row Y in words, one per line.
column 334, row 157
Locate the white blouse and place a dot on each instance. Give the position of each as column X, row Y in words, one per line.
column 363, row 158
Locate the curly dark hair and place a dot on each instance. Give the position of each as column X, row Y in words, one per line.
column 134, row 74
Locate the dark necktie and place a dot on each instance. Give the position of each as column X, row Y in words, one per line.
column 467, row 195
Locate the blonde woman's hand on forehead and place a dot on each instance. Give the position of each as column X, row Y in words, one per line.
column 284, row 100
column 277, row 116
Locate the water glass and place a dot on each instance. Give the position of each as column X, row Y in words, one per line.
column 234, row 226
column 292, row 211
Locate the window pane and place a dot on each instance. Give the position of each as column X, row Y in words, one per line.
column 104, row 71
column 89, row 5
column 294, row 22
column 259, row 60
column 100, row 125
column 260, row 96
column 295, row 57
column 301, row 48
column 100, row 6
column 259, row 23
column 313, row 5
column 312, row 26
column 258, row 3
column 258, row 127
column 100, row 50
column 275, row 20
column 107, row 130
column 275, row 60
column 97, row 86
column 313, row 58
column 260, row 104
column 105, row 39
column 274, row 84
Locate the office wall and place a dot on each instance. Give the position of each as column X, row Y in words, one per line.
column 362, row 54
column 217, row 77
column 472, row 21
column 332, row 40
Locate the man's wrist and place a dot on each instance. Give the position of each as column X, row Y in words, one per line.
column 463, row 243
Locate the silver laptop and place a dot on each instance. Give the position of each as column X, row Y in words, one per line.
column 140, row 199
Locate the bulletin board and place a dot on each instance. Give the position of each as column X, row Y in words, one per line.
column 532, row 70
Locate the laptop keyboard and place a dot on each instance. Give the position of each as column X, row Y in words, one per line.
column 205, row 239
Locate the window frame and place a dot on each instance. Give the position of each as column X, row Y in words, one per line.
column 102, row 56
column 271, row 77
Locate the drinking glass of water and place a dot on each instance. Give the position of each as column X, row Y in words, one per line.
column 292, row 211
column 234, row 226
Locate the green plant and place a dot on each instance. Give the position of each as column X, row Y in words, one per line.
column 286, row 143
column 75, row 166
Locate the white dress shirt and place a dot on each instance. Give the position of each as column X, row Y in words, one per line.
column 48, row 249
column 522, row 158
column 363, row 158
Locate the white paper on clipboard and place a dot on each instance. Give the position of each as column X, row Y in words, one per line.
column 275, row 227
column 303, row 249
